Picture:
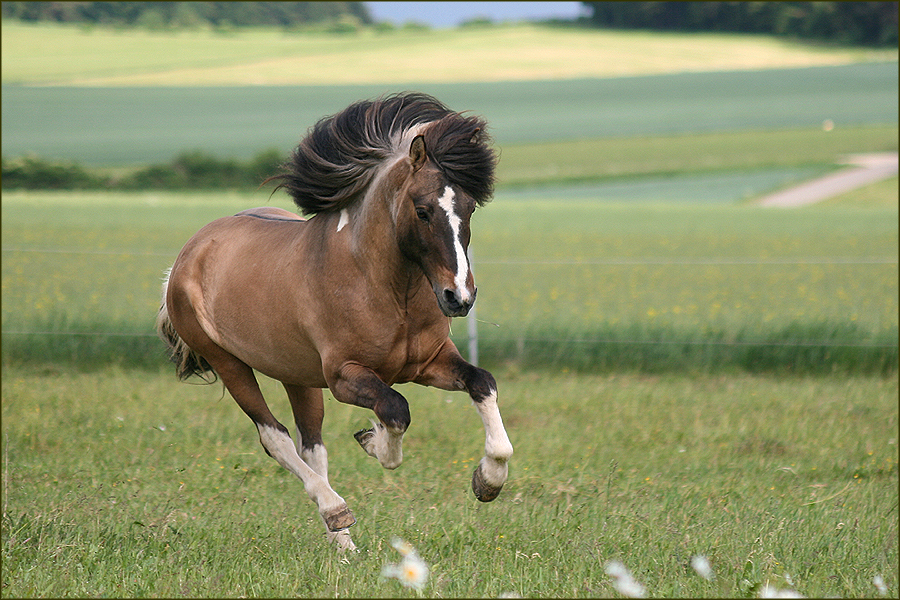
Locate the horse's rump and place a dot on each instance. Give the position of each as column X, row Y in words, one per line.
column 187, row 362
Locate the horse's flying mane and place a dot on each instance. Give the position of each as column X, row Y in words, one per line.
column 339, row 157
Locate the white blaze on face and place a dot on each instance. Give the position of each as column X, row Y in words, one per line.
column 462, row 263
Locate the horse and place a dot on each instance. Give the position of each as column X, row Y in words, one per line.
column 355, row 298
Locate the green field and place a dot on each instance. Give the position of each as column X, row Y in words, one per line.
column 124, row 483
column 136, row 126
column 681, row 371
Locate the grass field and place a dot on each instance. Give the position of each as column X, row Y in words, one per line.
column 124, row 483
column 31, row 54
column 702, row 277
column 641, row 241
column 681, row 372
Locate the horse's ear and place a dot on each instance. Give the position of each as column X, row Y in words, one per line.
column 417, row 152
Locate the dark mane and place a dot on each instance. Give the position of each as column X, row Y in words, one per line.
column 338, row 159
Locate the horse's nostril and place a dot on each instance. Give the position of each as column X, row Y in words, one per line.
column 451, row 298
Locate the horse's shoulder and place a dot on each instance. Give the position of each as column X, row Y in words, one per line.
column 270, row 213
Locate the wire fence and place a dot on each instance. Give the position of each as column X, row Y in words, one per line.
column 472, row 339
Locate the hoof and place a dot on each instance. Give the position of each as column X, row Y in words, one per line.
column 483, row 490
column 366, row 439
column 340, row 519
column 363, row 436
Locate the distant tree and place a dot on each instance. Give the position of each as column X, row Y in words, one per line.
column 187, row 14
column 862, row 23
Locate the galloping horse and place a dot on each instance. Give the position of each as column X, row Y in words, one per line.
column 356, row 298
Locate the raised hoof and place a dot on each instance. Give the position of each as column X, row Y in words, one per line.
column 341, row 519
column 366, row 439
column 363, row 436
column 483, row 490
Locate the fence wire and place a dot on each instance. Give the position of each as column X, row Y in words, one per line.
column 472, row 329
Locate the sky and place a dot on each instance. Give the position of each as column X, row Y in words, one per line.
column 451, row 14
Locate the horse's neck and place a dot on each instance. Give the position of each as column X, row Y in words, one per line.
column 376, row 249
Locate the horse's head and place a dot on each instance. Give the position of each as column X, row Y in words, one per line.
column 432, row 165
column 433, row 222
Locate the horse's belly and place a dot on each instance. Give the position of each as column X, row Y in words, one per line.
column 274, row 347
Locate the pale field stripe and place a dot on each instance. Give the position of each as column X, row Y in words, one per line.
column 511, row 53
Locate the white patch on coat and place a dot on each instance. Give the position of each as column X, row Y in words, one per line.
column 316, row 457
column 345, row 218
column 386, row 445
column 462, row 263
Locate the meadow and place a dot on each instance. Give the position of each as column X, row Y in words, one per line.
column 125, row 483
column 119, row 481
column 660, row 242
column 681, row 371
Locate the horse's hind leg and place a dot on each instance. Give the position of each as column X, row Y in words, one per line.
column 309, row 410
column 241, row 382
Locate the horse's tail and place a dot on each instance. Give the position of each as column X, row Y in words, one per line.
column 187, row 362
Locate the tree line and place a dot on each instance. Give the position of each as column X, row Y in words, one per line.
column 188, row 14
column 189, row 170
column 854, row 23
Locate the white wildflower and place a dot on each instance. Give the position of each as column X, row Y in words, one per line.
column 402, row 546
column 701, row 565
column 412, row 571
column 623, row 581
column 771, row 592
column 879, row 583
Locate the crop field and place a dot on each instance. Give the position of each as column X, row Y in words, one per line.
column 109, row 57
column 682, row 372
column 140, row 125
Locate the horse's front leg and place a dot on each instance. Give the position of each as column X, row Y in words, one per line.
column 448, row 371
column 355, row 384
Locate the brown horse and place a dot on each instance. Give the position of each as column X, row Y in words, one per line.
column 356, row 298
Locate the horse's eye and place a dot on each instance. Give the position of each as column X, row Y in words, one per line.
column 422, row 214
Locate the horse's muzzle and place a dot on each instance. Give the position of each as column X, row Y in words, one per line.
column 452, row 304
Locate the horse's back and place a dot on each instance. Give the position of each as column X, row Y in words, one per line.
column 270, row 213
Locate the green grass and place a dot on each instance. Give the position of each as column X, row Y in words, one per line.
column 126, row 483
column 73, row 55
column 119, row 481
column 883, row 193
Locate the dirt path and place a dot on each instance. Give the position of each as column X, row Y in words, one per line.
column 864, row 169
